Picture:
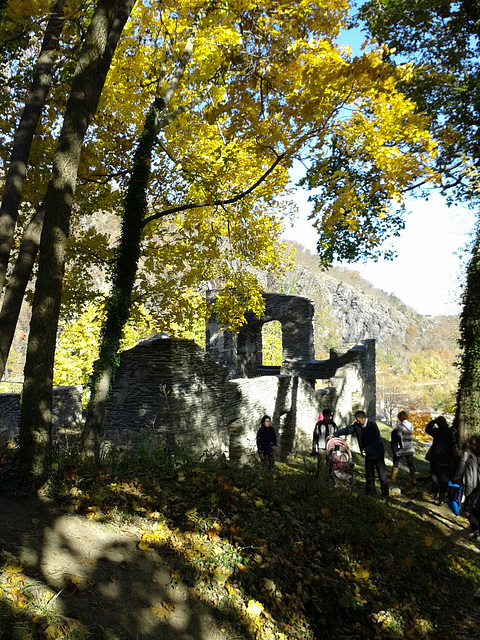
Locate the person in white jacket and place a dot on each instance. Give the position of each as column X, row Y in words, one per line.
column 404, row 432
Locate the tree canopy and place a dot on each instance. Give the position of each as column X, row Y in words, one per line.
column 251, row 92
column 230, row 94
column 441, row 42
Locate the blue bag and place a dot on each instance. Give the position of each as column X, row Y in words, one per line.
column 454, row 497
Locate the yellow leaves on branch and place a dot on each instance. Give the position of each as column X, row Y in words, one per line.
column 27, row 8
column 262, row 80
column 77, row 346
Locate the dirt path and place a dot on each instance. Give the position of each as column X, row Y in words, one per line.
column 456, row 528
column 102, row 577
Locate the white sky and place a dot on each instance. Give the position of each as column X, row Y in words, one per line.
column 428, row 272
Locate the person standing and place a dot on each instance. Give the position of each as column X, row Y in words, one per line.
column 404, row 431
column 471, row 485
column 371, row 445
column 324, row 428
column 440, row 456
column 266, row 441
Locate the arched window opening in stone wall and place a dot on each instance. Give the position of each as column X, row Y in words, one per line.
column 272, row 347
column 321, row 385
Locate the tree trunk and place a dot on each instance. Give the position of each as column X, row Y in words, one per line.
column 14, row 294
column 118, row 304
column 36, row 411
column 22, row 141
column 467, row 416
column 135, row 207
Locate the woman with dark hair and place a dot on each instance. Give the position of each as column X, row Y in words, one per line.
column 266, row 441
column 405, row 448
column 440, row 455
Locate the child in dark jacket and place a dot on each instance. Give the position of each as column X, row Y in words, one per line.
column 266, row 441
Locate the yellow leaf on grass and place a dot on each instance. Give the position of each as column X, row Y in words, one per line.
column 241, row 567
column 221, row 574
column 163, row 610
column 50, row 631
column 76, row 580
column 361, row 573
column 19, row 597
column 427, row 541
column 13, row 568
column 144, row 546
column 254, row 607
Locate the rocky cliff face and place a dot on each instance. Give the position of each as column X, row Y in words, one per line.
column 350, row 309
column 363, row 316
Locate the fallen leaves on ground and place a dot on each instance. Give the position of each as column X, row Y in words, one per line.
column 288, row 556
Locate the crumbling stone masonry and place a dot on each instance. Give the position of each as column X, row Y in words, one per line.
column 66, row 408
column 242, row 354
column 170, row 391
column 173, row 392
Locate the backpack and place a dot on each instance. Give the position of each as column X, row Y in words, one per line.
column 395, row 441
column 473, row 504
column 454, row 497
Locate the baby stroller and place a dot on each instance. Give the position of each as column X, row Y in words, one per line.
column 339, row 462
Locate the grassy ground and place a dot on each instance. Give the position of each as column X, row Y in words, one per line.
column 273, row 555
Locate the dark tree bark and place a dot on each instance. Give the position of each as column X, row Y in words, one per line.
column 94, row 62
column 118, row 304
column 22, row 141
column 467, row 417
column 15, row 292
column 135, row 207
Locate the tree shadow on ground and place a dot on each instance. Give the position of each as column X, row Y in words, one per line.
column 103, row 580
column 318, row 558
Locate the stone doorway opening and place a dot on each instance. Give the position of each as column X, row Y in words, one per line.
column 272, row 345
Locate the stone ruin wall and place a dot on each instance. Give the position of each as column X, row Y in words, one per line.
column 170, row 391
column 66, row 409
column 242, row 354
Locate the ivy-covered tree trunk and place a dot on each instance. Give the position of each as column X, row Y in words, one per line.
column 94, row 62
column 135, row 208
column 118, row 304
column 467, row 418
column 22, row 142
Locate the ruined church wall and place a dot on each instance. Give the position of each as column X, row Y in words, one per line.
column 292, row 404
column 167, row 391
column 66, row 409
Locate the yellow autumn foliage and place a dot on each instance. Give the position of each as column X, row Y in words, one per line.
column 264, row 84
